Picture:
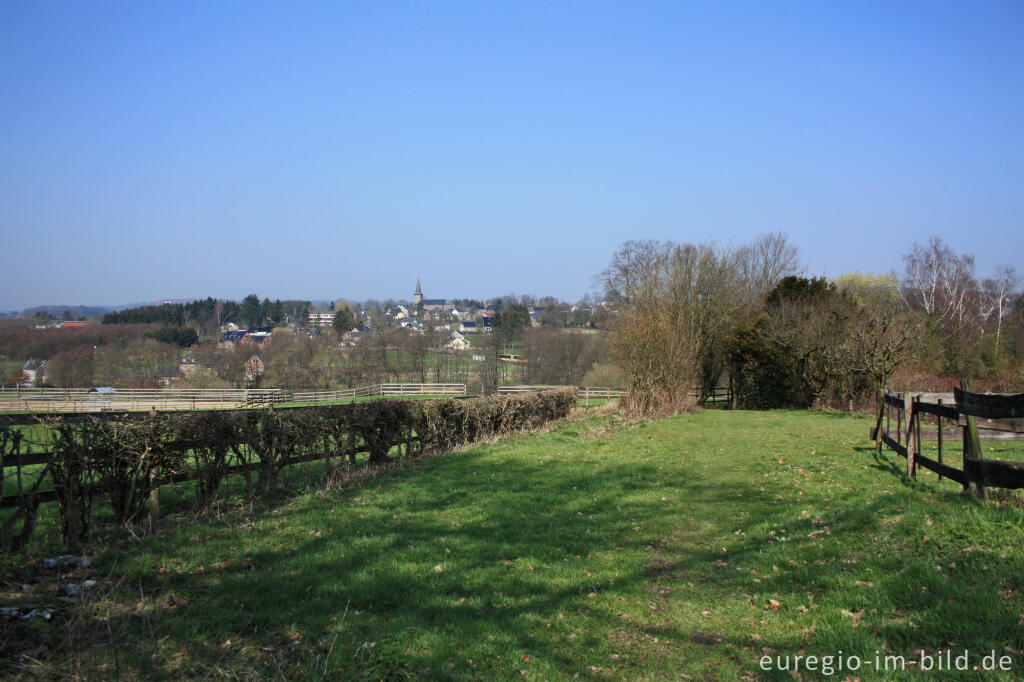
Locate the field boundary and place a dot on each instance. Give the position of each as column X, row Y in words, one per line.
column 977, row 416
column 90, row 401
column 128, row 456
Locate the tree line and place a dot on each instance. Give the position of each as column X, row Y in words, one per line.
column 208, row 315
column 705, row 315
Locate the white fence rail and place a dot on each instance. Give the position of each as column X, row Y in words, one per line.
column 136, row 393
column 586, row 392
column 138, row 399
column 378, row 390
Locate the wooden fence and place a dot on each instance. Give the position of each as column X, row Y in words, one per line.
column 720, row 394
column 407, row 445
column 977, row 417
column 585, row 392
column 378, row 390
column 164, row 399
column 127, row 456
column 134, row 399
column 47, row 400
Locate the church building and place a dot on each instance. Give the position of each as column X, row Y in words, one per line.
column 429, row 303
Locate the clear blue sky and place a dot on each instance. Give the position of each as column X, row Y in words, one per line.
column 303, row 150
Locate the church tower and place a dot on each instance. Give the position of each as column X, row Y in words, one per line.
column 417, row 297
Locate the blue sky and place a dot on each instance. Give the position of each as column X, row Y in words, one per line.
column 307, row 150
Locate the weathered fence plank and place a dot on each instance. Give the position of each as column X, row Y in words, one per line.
column 995, row 473
column 990, row 406
column 982, row 417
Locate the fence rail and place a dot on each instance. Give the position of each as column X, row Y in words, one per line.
column 585, row 392
column 135, row 399
column 978, row 417
column 719, row 394
column 378, row 390
column 127, row 456
column 51, row 400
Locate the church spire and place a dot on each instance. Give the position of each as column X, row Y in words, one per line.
column 419, row 292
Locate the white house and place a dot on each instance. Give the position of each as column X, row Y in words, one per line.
column 456, row 341
column 34, row 372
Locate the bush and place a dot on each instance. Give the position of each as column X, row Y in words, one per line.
column 604, row 374
column 125, row 456
column 448, row 423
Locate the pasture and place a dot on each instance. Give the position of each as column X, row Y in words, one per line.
column 603, row 549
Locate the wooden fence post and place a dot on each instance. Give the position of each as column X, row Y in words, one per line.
column 938, row 424
column 972, row 456
column 908, row 407
column 888, row 417
column 973, row 465
column 900, row 412
column 917, row 437
column 154, row 490
column 878, row 422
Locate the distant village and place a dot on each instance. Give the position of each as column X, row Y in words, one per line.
column 445, row 326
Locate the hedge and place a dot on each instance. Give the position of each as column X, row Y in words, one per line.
column 124, row 457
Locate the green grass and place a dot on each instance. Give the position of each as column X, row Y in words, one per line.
column 36, row 441
column 689, row 546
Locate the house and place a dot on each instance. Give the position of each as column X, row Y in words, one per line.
column 321, row 319
column 72, row 323
column 468, row 327
column 456, row 341
column 229, row 339
column 257, row 335
column 168, row 375
column 355, row 336
column 487, row 322
column 254, row 368
column 187, row 365
column 34, row 372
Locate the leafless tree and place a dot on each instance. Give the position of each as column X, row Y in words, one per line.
column 996, row 296
column 675, row 303
column 762, row 264
column 940, row 282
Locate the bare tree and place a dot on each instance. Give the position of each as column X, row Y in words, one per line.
column 675, row 303
column 996, row 296
column 878, row 340
column 939, row 281
column 761, row 265
column 635, row 271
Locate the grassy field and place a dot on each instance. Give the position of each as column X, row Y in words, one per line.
column 689, row 547
column 36, row 441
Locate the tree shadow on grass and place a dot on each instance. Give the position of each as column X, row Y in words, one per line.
column 438, row 569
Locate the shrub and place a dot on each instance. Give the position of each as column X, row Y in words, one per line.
column 448, row 423
column 125, row 456
column 128, row 458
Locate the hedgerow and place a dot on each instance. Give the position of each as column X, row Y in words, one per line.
column 125, row 457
